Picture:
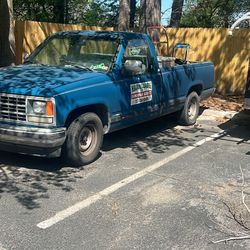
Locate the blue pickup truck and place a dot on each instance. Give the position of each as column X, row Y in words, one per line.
column 77, row 86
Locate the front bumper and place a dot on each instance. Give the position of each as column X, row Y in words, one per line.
column 34, row 141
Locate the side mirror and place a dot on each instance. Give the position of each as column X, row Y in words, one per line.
column 134, row 67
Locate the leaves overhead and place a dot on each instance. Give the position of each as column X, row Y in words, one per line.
column 196, row 13
column 213, row 13
column 86, row 12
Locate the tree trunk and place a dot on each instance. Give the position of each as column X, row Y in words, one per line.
column 132, row 13
column 142, row 21
column 59, row 11
column 150, row 14
column 7, row 35
column 66, row 18
column 153, row 13
column 124, row 15
column 153, row 18
column 176, row 13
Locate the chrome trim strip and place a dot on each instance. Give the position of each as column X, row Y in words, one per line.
column 40, row 138
column 31, row 130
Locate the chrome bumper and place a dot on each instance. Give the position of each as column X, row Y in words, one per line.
column 38, row 141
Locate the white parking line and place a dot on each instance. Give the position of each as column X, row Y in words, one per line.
column 107, row 191
column 1, row 248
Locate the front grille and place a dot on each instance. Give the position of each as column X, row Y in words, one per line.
column 12, row 107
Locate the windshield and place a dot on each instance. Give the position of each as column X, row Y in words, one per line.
column 94, row 54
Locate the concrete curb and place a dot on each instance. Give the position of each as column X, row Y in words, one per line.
column 210, row 114
column 218, row 113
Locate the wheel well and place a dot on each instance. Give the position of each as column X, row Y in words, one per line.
column 99, row 109
column 196, row 88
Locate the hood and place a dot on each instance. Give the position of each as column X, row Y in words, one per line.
column 38, row 80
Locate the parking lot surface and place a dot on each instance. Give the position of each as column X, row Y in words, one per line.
column 155, row 186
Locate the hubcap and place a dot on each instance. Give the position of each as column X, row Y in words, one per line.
column 86, row 138
column 192, row 109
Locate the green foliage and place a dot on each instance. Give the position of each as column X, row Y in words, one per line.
column 213, row 13
column 86, row 12
column 101, row 13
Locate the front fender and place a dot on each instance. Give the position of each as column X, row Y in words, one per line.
column 101, row 94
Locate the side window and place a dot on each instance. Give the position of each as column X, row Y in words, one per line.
column 136, row 59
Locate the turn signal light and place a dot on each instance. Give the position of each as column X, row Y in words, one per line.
column 49, row 108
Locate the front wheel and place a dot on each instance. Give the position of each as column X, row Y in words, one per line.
column 189, row 114
column 84, row 139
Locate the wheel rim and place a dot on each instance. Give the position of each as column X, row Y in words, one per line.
column 87, row 139
column 192, row 109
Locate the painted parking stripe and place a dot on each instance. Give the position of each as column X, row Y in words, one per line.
column 107, row 191
column 1, row 248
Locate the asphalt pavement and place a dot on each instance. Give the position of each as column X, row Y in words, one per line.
column 157, row 185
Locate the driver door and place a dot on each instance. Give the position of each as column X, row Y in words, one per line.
column 139, row 86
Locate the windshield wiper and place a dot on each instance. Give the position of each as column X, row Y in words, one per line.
column 28, row 62
column 82, row 67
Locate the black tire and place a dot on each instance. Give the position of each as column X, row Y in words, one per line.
column 84, row 139
column 188, row 115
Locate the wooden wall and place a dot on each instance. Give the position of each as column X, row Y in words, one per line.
column 230, row 54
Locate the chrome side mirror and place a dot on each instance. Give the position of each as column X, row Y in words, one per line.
column 134, row 67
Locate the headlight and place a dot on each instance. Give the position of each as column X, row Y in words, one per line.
column 39, row 107
column 40, row 111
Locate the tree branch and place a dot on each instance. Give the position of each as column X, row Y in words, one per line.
column 232, row 238
column 242, row 191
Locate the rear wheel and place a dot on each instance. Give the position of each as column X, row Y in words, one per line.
column 188, row 115
column 84, row 139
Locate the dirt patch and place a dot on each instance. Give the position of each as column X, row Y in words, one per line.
column 160, row 194
column 229, row 214
column 224, row 103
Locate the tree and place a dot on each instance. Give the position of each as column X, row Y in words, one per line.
column 94, row 12
column 153, row 13
column 59, row 11
column 142, row 18
column 176, row 13
column 213, row 13
column 150, row 14
column 124, row 15
column 132, row 13
column 7, row 37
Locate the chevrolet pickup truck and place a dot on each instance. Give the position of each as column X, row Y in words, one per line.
column 77, row 86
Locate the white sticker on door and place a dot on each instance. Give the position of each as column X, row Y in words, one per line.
column 141, row 92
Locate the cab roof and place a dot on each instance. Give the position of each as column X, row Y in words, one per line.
column 103, row 34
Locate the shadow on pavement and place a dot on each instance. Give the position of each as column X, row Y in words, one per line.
column 155, row 136
column 238, row 127
column 28, row 179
